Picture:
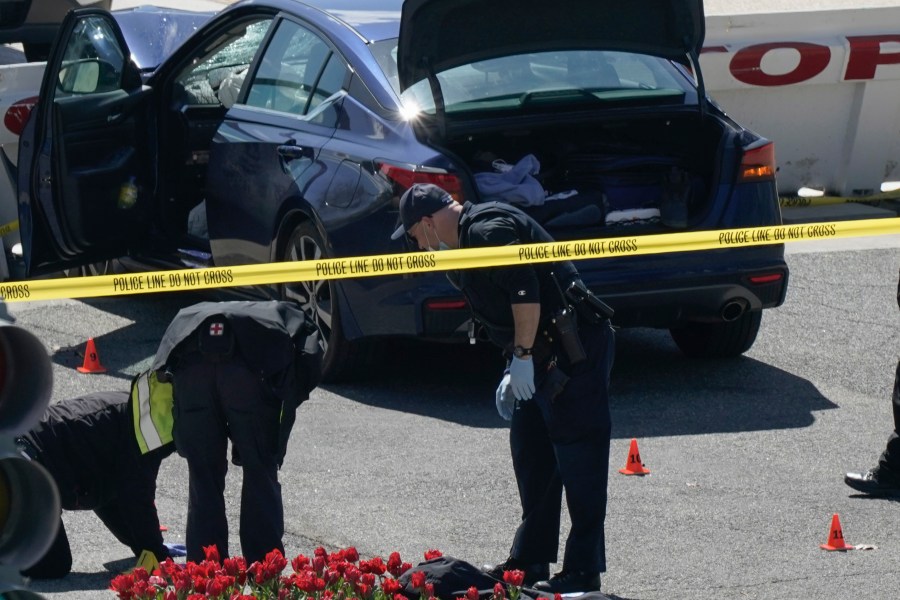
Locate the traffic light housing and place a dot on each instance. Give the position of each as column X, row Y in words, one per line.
column 29, row 500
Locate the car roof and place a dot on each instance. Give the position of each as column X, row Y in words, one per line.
column 153, row 33
column 372, row 21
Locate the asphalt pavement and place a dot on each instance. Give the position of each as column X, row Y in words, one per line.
column 746, row 455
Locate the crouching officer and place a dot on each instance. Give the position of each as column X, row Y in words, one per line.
column 88, row 445
column 555, row 388
column 239, row 370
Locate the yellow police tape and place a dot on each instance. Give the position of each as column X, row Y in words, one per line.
column 803, row 202
column 416, row 262
column 8, row 228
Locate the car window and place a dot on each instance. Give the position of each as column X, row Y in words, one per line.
column 329, row 83
column 222, row 68
column 92, row 61
column 385, row 53
column 543, row 78
column 297, row 72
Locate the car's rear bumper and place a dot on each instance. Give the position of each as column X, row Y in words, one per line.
column 429, row 311
column 715, row 300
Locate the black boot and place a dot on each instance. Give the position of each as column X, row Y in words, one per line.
column 533, row 571
column 569, row 582
column 875, row 482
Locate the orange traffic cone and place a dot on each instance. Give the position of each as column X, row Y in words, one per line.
column 634, row 466
column 91, row 360
column 835, row 537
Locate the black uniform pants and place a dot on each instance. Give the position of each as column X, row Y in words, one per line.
column 563, row 443
column 890, row 458
column 116, row 515
column 56, row 562
column 216, row 401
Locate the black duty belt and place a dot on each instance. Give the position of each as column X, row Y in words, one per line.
column 26, row 448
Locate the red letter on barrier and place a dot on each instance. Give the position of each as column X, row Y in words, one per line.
column 866, row 55
column 746, row 64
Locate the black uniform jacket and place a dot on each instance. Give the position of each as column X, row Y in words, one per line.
column 269, row 337
column 89, row 447
column 491, row 291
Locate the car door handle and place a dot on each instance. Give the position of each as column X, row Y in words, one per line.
column 290, row 152
column 113, row 118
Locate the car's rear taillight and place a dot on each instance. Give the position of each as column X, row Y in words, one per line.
column 445, row 304
column 764, row 279
column 758, row 164
column 405, row 176
column 17, row 115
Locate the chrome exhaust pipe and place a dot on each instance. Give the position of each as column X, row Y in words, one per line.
column 733, row 309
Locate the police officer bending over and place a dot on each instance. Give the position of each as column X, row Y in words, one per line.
column 88, row 445
column 239, row 370
column 560, row 346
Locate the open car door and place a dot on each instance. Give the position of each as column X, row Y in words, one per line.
column 85, row 177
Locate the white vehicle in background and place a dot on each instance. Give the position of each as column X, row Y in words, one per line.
column 19, row 87
column 27, row 29
column 20, row 84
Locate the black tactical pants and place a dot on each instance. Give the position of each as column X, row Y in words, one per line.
column 216, row 401
column 890, row 458
column 57, row 561
column 563, row 443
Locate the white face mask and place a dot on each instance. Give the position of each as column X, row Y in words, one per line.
column 440, row 245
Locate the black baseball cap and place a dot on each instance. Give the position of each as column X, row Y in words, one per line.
column 420, row 200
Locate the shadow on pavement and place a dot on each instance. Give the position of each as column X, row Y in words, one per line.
column 655, row 390
column 83, row 581
column 119, row 350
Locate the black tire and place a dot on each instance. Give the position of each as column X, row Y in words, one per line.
column 343, row 359
column 104, row 267
column 718, row 340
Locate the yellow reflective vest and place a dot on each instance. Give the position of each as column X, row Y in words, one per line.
column 151, row 408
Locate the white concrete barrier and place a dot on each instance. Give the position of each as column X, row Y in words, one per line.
column 823, row 85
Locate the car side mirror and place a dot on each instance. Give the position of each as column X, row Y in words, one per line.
column 80, row 77
column 92, row 75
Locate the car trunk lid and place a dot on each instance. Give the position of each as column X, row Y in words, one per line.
column 436, row 35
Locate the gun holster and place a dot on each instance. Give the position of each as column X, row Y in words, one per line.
column 588, row 306
column 565, row 323
column 553, row 383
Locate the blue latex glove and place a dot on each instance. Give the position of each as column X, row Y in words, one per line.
column 506, row 402
column 521, row 378
column 175, row 549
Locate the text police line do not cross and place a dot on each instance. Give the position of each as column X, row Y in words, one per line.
column 417, row 262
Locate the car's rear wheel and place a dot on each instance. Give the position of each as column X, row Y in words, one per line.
column 343, row 359
column 104, row 267
column 718, row 340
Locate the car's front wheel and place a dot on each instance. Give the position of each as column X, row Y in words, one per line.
column 342, row 359
column 718, row 340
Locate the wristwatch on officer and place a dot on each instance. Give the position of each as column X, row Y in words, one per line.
column 520, row 351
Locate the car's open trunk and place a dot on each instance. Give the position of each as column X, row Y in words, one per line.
column 642, row 174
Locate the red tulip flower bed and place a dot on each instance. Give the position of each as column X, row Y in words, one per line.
column 336, row 576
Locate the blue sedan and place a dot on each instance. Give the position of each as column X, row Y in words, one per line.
column 286, row 131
